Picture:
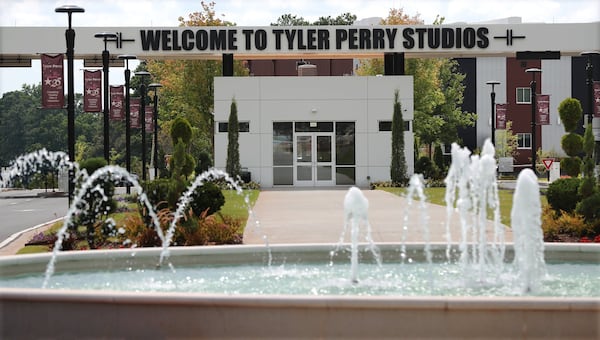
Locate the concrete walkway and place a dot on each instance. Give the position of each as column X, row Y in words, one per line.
column 317, row 216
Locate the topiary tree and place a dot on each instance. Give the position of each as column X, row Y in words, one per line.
column 563, row 194
column 570, row 112
column 94, row 205
column 398, row 166
column 572, row 143
column 233, row 167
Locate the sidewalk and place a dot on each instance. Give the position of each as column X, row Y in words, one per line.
column 34, row 193
column 317, row 216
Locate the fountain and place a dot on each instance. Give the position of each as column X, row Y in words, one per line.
column 304, row 291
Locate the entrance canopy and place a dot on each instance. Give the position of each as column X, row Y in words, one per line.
column 294, row 42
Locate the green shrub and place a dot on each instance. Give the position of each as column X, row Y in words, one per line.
column 207, row 196
column 425, row 167
column 572, row 143
column 587, row 187
column 157, row 191
column 563, row 194
column 204, row 162
column 93, row 204
column 590, row 207
column 181, row 129
column 92, row 164
column 438, row 160
column 570, row 112
column 571, row 166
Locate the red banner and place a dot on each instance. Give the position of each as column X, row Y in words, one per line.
column 134, row 111
column 92, row 91
column 116, row 103
column 53, row 94
column 149, row 119
column 597, row 99
column 543, row 109
column 501, row 116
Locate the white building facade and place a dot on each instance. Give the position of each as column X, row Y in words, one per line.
column 314, row 131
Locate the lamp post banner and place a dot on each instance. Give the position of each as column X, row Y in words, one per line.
column 597, row 99
column 543, row 109
column 149, row 124
column 500, row 116
column 92, row 91
column 116, row 103
column 134, row 109
column 53, row 92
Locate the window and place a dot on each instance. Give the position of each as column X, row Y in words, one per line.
column 244, row 126
column 386, row 125
column 523, row 95
column 524, row 140
column 283, row 153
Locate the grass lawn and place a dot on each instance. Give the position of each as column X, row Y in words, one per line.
column 437, row 196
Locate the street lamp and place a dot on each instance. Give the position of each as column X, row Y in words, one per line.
column 127, row 57
column 155, row 87
column 493, row 100
column 70, row 39
column 105, row 60
column 142, row 75
column 532, row 85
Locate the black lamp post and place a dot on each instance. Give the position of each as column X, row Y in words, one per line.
column 493, row 100
column 127, row 57
column 70, row 38
column 155, row 87
column 105, row 61
column 532, row 85
column 142, row 75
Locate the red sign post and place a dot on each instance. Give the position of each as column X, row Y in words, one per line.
column 548, row 162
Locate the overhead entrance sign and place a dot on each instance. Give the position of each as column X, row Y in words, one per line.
column 462, row 40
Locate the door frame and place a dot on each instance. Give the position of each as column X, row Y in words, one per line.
column 314, row 163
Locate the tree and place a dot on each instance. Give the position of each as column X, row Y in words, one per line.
column 570, row 111
column 343, row 19
column 398, row 166
column 233, row 167
column 293, row 20
column 188, row 87
column 506, row 142
column 290, row 20
column 438, row 90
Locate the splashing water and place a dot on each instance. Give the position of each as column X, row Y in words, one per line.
column 108, row 172
column 33, row 162
column 186, row 199
column 356, row 214
column 415, row 188
column 527, row 231
column 472, row 186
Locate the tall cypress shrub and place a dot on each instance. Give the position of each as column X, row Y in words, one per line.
column 398, row 167
column 233, row 166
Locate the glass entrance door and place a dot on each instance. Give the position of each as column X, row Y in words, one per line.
column 314, row 159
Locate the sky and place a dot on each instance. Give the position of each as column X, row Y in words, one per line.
column 165, row 13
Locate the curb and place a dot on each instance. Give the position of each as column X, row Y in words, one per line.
column 15, row 236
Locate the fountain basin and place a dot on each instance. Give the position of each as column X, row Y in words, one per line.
column 75, row 313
